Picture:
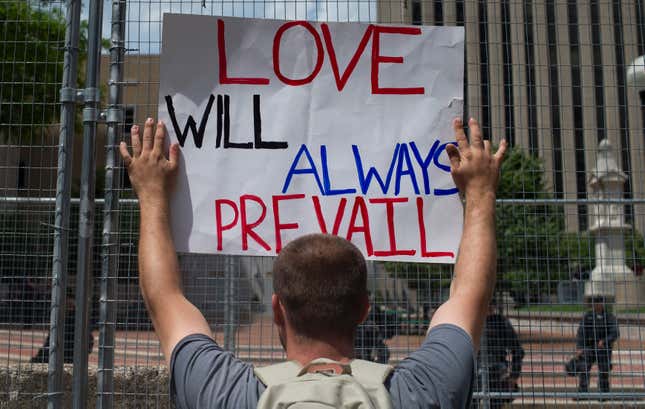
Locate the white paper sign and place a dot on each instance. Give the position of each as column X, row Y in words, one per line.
column 292, row 127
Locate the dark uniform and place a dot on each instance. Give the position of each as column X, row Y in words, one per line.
column 42, row 356
column 370, row 336
column 596, row 335
column 501, row 341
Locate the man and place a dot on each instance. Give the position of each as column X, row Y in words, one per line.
column 501, row 341
column 42, row 356
column 320, row 291
column 596, row 335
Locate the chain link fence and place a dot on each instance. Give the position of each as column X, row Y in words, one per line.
column 555, row 78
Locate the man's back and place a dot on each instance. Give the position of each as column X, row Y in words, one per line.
column 439, row 374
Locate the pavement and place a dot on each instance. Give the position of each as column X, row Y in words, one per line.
column 548, row 345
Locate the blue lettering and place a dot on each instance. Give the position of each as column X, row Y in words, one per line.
column 404, row 157
column 365, row 181
column 311, row 169
column 425, row 163
column 326, row 182
column 443, row 192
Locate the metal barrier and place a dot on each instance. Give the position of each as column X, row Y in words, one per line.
column 552, row 77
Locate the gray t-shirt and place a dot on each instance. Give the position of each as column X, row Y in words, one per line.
column 437, row 375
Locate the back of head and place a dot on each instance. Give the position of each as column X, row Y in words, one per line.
column 321, row 280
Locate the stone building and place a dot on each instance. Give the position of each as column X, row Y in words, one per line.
column 550, row 76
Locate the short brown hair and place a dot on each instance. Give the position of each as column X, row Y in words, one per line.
column 321, row 280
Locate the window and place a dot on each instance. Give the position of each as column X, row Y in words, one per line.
column 578, row 131
column 622, row 105
column 554, row 99
column 530, row 76
column 417, row 18
column 483, row 67
column 509, row 115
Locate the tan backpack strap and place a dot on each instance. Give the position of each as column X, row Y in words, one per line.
column 278, row 373
column 367, row 372
column 364, row 371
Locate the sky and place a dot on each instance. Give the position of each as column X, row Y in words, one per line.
column 143, row 29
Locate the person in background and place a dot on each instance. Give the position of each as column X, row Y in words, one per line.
column 42, row 356
column 369, row 343
column 502, row 342
column 596, row 335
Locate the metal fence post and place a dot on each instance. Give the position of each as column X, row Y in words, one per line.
column 63, row 193
column 109, row 245
column 484, row 370
column 86, row 211
column 230, row 296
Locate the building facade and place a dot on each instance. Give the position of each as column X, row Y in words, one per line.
column 550, row 77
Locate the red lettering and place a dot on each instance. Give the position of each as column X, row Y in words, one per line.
column 359, row 205
column 276, row 53
column 321, row 220
column 341, row 80
column 389, row 208
column 218, row 219
column 377, row 59
column 422, row 235
column 247, row 228
column 276, row 218
column 223, row 75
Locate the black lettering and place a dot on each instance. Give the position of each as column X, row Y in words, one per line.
column 198, row 134
column 220, row 112
column 227, row 128
column 257, row 129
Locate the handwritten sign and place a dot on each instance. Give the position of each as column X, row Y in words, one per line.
column 293, row 127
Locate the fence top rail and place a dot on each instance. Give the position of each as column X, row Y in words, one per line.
column 525, row 202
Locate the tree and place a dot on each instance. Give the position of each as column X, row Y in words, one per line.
column 530, row 252
column 31, row 62
column 535, row 252
column 31, row 67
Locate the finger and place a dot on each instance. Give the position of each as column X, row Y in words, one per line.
column 148, row 135
column 160, row 135
column 476, row 139
column 501, row 150
column 125, row 155
column 453, row 155
column 135, row 140
column 460, row 135
column 487, row 146
column 173, row 156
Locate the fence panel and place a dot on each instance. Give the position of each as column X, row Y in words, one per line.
column 553, row 78
column 33, row 70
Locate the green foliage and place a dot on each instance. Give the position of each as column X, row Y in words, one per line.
column 31, row 67
column 527, row 235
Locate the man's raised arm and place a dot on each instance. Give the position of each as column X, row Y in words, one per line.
column 475, row 171
column 152, row 177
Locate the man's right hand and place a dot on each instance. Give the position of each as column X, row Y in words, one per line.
column 474, row 169
column 151, row 174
